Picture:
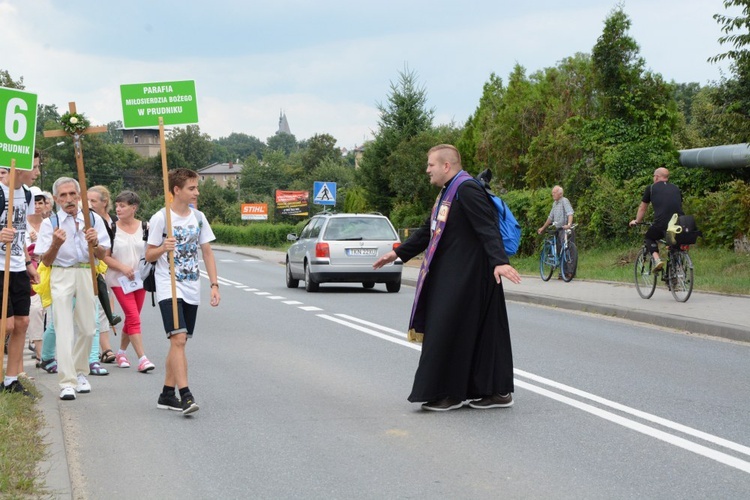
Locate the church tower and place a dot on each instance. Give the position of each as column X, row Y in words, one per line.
column 283, row 124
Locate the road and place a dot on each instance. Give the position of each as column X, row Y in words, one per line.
column 304, row 396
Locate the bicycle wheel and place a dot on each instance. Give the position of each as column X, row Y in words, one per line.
column 681, row 276
column 547, row 261
column 645, row 280
column 568, row 262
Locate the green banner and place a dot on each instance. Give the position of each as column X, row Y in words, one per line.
column 17, row 128
column 144, row 103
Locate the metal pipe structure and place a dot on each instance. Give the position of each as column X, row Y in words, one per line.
column 727, row 156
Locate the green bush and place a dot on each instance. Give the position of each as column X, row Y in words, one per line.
column 723, row 215
column 260, row 234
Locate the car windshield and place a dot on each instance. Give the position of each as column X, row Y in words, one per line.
column 359, row 228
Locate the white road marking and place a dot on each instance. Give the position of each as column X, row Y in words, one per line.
column 643, row 429
column 680, row 442
column 275, row 297
column 356, row 324
column 374, row 325
column 638, row 413
column 370, row 331
column 250, row 260
column 292, row 302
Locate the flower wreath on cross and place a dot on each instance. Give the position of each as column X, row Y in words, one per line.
column 74, row 123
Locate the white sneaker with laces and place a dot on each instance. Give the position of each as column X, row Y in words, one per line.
column 83, row 384
column 67, row 394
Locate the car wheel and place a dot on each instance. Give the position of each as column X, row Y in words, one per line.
column 310, row 285
column 393, row 286
column 368, row 284
column 290, row 281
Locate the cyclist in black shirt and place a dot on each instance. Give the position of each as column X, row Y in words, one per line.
column 666, row 199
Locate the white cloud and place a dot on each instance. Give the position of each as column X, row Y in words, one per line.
column 325, row 65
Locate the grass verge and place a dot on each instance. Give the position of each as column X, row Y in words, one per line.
column 21, row 445
column 716, row 270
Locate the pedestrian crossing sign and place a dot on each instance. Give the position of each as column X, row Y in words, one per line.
column 325, row 193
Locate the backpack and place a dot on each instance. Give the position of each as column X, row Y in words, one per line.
column 26, row 192
column 147, row 269
column 55, row 221
column 510, row 229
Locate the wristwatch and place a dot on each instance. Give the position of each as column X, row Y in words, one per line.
column 214, row 285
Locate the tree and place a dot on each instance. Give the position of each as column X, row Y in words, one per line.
column 404, row 116
column 236, row 146
column 114, row 132
column 193, row 146
column 283, row 142
column 617, row 66
column 46, row 113
column 319, row 148
column 7, row 81
column 733, row 94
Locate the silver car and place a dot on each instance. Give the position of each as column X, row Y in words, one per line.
column 341, row 248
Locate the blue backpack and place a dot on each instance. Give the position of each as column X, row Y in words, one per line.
column 510, row 229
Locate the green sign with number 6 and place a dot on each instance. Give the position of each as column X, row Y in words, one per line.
column 17, row 128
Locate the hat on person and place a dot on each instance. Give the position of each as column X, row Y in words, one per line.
column 35, row 191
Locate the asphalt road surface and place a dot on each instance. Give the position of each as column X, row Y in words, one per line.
column 303, row 395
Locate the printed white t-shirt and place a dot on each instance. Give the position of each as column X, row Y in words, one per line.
column 190, row 235
column 20, row 211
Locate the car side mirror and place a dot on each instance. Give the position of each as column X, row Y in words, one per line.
column 292, row 237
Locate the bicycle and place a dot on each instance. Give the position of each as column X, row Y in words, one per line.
column 677, row 272
column 549, row 259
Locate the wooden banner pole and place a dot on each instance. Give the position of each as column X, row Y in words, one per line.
column 168, row 221
column 8, row 250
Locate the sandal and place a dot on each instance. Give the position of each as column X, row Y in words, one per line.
column 96, row 369
column 107, row 356
column 48, row 365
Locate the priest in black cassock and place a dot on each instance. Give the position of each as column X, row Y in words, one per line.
column 459, row 311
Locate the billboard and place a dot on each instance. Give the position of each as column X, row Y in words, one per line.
column 294, row 203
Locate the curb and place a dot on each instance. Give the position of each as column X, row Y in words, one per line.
column 54, row 465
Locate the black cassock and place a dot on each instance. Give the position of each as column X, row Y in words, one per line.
column 466, row 351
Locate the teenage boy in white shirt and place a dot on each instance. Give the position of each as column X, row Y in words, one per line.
column 190, row 230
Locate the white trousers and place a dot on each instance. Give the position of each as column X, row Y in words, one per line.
column 72, row 350
column 36, row 320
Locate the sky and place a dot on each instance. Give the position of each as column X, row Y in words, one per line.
column 326, row 64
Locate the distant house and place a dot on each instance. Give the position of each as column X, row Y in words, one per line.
column 144, row 141
column 221, row 173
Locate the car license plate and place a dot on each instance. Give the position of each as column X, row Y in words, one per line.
column 361, row 252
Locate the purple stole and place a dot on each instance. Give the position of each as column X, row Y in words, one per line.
column 439, row 217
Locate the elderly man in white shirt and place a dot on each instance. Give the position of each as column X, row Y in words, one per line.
column 64, row 244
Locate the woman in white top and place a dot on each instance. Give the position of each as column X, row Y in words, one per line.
column 122, row 259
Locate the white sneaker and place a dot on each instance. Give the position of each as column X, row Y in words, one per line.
column 83, row 384
column 67, row 394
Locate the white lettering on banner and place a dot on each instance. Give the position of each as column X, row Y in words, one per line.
column 180, row 98
column 157, row 89
column 146, row 100
column 15, row 148
column 164, row 111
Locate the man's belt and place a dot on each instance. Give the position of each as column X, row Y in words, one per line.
column 81, row 265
